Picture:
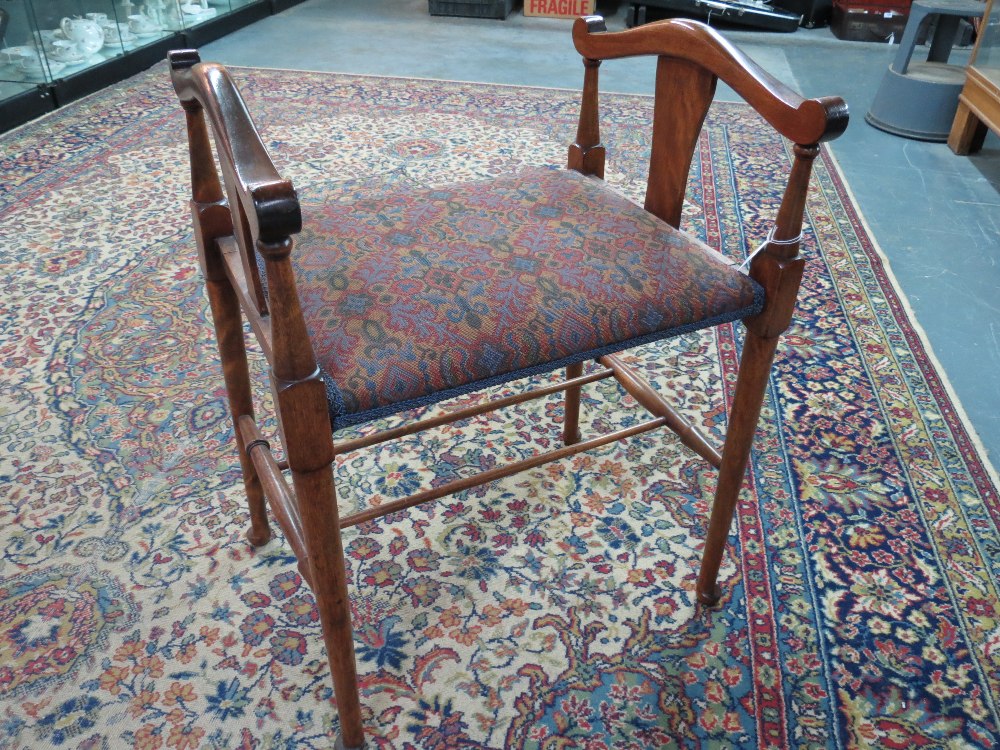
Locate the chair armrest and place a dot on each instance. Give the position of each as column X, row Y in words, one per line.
column 801, row 120
column 270, row 202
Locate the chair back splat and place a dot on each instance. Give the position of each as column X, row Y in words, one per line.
column 337, row 359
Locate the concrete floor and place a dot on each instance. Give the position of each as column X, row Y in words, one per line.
column 933, row 214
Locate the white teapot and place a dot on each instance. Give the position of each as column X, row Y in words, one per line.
column 86, row 34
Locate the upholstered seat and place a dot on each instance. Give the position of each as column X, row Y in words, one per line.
column 414, row 296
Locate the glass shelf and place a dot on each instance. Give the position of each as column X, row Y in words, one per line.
column 986, row 57
column 46, row 41
column 49, row 40
column 21, row 67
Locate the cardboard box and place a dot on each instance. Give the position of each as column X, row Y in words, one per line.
column 559, row 8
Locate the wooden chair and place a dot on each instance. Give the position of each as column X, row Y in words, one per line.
column 514, row 294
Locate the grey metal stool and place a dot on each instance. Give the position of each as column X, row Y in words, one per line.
column 919, row 99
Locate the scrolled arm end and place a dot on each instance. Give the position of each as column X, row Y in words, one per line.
column 837, row 116
column 584, row 26
column 181, row 59
column 277, row 213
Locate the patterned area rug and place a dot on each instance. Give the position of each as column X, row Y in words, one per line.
column 550, row 610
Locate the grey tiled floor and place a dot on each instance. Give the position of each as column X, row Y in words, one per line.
column 935, row 215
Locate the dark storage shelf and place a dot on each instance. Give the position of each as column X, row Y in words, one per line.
column 21, row 108
column 471, row 8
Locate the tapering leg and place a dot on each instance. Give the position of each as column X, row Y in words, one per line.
column 755, row 366
column 232, row 351
column 571, row 410
column 967, row 131
column 320, row 524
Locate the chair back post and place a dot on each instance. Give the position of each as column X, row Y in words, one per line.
column 586, row 155
column 205, row 186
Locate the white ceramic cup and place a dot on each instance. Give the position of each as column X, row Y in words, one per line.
column 141, row 24
column 63, row 50
column 31, row 63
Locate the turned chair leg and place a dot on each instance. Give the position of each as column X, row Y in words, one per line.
column 232, row 351
column 751, row 383
column 571, row 409
column 318, row 502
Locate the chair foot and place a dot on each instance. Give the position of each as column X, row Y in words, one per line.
column 710, row 599
column 258, row 538
column 339, row 745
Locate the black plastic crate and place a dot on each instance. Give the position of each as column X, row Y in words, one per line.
column 472, row 8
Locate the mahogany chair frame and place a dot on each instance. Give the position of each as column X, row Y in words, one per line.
column 261, row 214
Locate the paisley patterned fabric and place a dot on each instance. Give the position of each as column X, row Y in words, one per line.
column 414, row 296
column 552, row 609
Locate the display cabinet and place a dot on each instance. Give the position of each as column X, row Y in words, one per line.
column 979, row 102
column 54, row 51
column 20, row 77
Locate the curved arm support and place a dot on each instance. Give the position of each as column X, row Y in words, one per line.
column 271, row 204
column 798, row 119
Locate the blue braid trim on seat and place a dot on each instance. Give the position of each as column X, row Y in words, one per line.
column 340, row 420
